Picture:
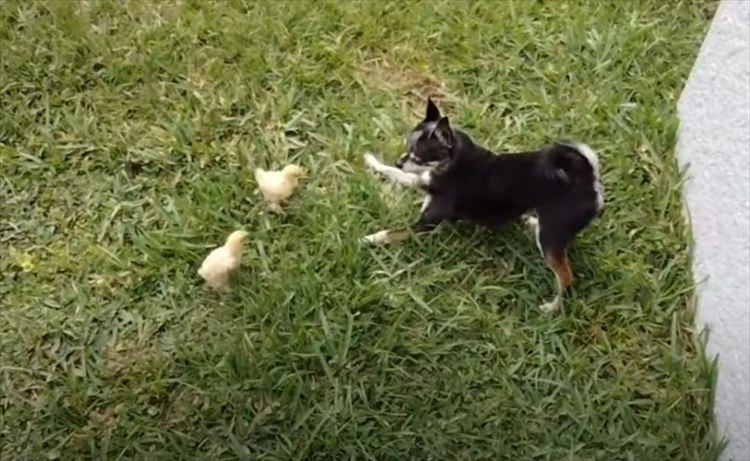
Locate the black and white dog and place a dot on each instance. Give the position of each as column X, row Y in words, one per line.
column 464, row 181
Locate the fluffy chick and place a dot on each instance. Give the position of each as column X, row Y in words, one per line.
column 278, row 186
column 222, row 261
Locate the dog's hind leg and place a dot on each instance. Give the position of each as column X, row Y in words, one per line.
column 557, row 260
column 556, row 228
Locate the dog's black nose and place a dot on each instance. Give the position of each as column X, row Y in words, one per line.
column 400, row 162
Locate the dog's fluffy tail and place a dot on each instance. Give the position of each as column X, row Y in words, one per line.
column 580, row 164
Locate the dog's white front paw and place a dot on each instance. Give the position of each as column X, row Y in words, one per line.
column 550, row 307
column 372, row 162
column 378, row 238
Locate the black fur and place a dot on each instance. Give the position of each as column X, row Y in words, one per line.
column 470, row 182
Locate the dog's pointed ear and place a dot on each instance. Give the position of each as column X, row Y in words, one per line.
column 433, row 113
column 443, row 132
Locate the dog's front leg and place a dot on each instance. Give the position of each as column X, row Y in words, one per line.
column 386, row 236
column 430, row 217
column 394, row 235
column 397, row 175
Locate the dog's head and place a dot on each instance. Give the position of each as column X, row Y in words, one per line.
column 429, row 144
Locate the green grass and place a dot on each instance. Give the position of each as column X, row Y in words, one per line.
column 128, row 135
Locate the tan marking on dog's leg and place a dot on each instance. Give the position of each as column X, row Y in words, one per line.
column 558, row 262
column 386, row 236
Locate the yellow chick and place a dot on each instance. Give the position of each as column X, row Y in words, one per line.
column 278, row 186
column 222, row 261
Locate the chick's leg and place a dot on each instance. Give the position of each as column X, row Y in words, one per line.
column 275, row 208
column 219, row 282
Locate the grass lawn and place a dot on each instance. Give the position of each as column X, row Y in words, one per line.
column 128, row 135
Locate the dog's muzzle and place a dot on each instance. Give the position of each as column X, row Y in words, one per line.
column 402, row 161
